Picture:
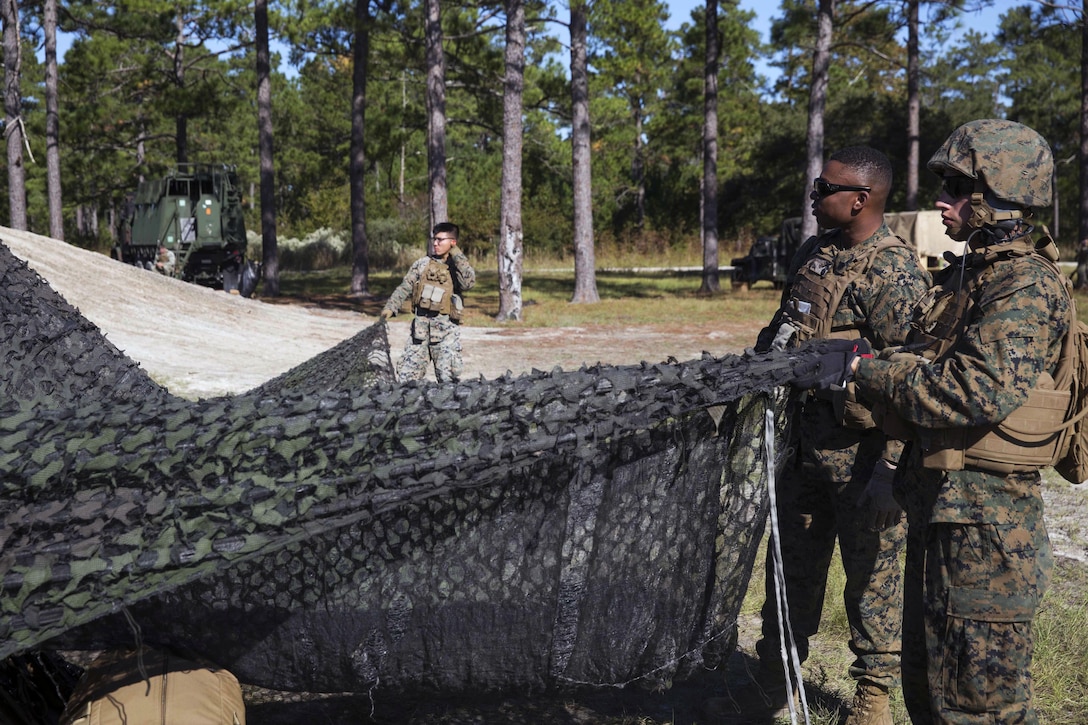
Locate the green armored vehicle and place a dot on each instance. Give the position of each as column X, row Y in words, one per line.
column 188, row 224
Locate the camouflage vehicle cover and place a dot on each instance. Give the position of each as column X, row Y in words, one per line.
column 195, row 212
column 334, row 531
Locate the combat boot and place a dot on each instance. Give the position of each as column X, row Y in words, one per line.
column 871, row 706
column 765, row 696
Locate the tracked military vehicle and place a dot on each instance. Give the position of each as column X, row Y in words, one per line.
column 188, row 224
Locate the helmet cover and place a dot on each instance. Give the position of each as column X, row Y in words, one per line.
column 1013, row 161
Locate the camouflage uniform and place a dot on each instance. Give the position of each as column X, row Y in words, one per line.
column 435, row 337
column 820, row 487
column 978, row 547
column 978, row 556
column 164, row 262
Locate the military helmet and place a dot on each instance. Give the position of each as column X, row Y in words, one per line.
column 1013, row 161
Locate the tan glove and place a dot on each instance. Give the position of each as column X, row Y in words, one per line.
column 386, row 314
column 883, row 509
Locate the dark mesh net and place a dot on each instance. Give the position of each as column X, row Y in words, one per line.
column 332, row 530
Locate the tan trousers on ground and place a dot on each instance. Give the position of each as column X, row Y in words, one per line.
column 154, row 688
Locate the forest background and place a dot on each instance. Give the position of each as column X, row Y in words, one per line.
column 144, row 84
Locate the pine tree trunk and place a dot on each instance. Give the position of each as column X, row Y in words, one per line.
column 270, row 267
column 914, row 107
column 1083, row 160
column 360, row 252
column 511, row 252
column 817, row 102
column 436, row 116
column 585, row 273
column 13, row 115
column 711, row 283
column 181, row 121
column 52, row 123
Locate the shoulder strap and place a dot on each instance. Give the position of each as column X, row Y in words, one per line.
column 867, row 260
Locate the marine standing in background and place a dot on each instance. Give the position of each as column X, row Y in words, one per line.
column 435, row 284
column 857, row 279
column 978, row 555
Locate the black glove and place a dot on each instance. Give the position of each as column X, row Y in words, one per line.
column 883, row 509
column 829, row 363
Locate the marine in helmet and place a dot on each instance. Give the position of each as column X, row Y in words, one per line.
column 984, row 341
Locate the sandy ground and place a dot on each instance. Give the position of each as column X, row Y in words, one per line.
column 200, row 342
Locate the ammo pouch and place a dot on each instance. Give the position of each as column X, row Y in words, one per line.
column 434, row 290
column 457, row 308
column 1030, row 438
column 430, row 298
column 1034, row 435
column 822, row 280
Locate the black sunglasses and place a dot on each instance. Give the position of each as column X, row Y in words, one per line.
column 823, row 187
column 957, row 186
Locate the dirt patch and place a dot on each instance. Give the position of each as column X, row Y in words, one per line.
column 199, row 342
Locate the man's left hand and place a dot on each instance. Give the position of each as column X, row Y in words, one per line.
column 884, row 510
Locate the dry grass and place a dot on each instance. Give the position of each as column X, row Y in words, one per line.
column 1060, row 663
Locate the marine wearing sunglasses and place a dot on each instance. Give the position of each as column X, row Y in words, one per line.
column 957, row 186
column 823, row 187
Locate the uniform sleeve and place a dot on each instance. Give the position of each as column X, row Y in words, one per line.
column 1015, row 337
column 463, row 272
column 404, row 289
column 898, row 281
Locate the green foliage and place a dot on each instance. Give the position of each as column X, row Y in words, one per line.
column 1045, row 91
column 136, row 69
column 322, row 249
column 1060, row 663
column 391, row 242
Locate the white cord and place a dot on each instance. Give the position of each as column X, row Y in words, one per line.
column 791, row 660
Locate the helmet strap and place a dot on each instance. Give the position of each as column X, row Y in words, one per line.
column 982, row 214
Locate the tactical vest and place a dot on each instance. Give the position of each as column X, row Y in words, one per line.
column 820, row 285
column 434, row 291
column 1031, row 437
column 814, row 298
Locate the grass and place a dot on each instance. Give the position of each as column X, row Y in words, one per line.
column 828, row 685
column 627, row 298
column 1059, row 665
column 660, row 298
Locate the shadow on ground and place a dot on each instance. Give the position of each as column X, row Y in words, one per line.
column 680, row 705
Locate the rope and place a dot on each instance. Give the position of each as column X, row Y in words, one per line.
column 791, row 660
column 138, row 634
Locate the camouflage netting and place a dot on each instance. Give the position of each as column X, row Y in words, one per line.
column 334, row 531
